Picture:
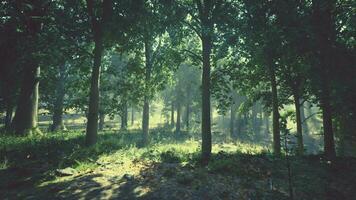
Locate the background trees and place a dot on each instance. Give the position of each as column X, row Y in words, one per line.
column 256, row 58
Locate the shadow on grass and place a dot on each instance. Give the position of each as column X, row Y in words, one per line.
column 228, row 176
column 35, row 158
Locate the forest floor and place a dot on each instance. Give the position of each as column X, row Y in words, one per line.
column 59, row 166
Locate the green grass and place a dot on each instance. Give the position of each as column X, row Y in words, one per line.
column 67, row 149
column 28, row 164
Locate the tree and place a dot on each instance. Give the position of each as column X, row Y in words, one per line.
column 31, row 18
column 98, row 25
column 201, row 20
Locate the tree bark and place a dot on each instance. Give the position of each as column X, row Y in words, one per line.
column 124, row 115
column 305, row 127
column 97, row 26
column 275, row 114
column 132, row 116
column 172, row 113
column 178, row 124
column 92, row 124
column 206, row 120
column 232, row 121
column 145, row 121
column 187, row 116
column 300, row 149
column 325, row 35
column 267, row 123
column 101, row 121
column 57, row 118
column 25, row 119
column 146, row 106
column 329, row 143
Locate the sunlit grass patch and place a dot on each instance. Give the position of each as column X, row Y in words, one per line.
column 243, row 148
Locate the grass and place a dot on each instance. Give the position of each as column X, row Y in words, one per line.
column 28, row 167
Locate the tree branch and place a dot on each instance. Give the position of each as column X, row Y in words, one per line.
column 193, row 28
column 193, row 54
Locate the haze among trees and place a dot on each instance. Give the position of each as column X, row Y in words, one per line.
column 178, row 99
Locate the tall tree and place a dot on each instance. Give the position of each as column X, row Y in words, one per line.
column 59, row 100
column 98, row 23
column 324, row 36
column 31, row 17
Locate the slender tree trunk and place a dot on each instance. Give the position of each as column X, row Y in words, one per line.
column 101, row 121
column 146, row 106
column 132, row 116
column 232, row 121
column 254, row 119
column 260, row 121
column 124, row 117
column 325, row 32
column 25, row 119
column 145, row 120
column 97, row 27
column 172, row 114
column 92, row 124
column 275, row 114
column 206, row 120
column 346, row 145
column 329, row 143
column 300, row 149
column 178, row 124
column 305, row 127
column 238, row 125
column 57, row 118
column 267, row 123
column 187, row 116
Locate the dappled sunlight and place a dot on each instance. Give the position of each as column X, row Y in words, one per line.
column 177, row 100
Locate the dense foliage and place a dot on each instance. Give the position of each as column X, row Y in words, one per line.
column 278, row 73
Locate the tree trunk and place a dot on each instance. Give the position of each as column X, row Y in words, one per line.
column 172, row 114
column 325, row 32
column 232, row 122
column 187, row 116
column 124, row 117
column 254, row 119
column 145, row 121
column 329, row 143
column 25, row 119
column 132, row 116
column 275, row 114
column 92, row 124
column 267, row 123
column 206, row 120
column 178, row 118
column 57, row 118
column 101, row 121
column 97, row 27
column 346, row 145
column 146, row 106
column 305, row 127
column 300, row 149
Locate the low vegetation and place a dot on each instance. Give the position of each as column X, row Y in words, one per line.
column 58, row 165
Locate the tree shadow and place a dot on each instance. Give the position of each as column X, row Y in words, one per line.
column 34, row 160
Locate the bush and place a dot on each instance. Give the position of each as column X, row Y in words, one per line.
column 170, row 157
